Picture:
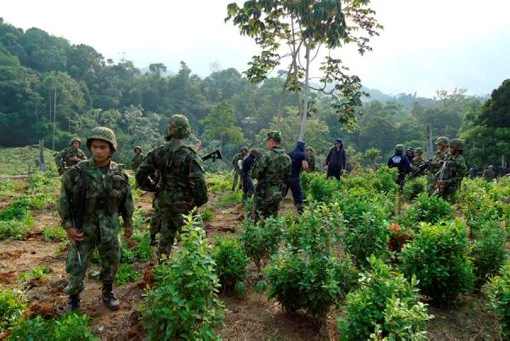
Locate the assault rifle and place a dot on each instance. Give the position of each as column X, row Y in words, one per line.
column 442, row 176
column 78, row 204
column 214, row 155
column 421, row 169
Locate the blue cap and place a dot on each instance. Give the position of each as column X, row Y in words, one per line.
column 338, row 141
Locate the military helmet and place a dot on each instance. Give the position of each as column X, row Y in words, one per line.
column 138, row 148
column 103, row 134
column 275, row 136
column 399, row 148
column 75, row 139
column 418, row 151
column 442, row 140
column 178, row 127
column 457, row 144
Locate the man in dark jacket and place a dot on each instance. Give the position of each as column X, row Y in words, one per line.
column 400, row 160
column 336, row 160
column 246, row 168
column 294, row 182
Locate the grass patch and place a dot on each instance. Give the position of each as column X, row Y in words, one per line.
column 16, row 161
column 54, row 234
column 230, row 199
column 126, row 274
column 37, row 273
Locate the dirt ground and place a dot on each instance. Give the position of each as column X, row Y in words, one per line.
column 252, row 317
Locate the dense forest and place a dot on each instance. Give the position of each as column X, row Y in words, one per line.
column 51, row 89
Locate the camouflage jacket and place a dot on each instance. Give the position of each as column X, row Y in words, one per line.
column 437, row 161
column 235, row 161
column 182, row 185
column 136, row 161
column 272, row 169
column 107, row 195
column 64, row 158
column 454, row 170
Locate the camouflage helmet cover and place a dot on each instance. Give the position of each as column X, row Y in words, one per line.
column 74, row 139
column 178, row 127
column 103, row 134
column 275, row 136
column 457, row 144
column 399, row 148
column 442, row 140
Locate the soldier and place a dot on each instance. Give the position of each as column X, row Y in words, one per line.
column 272, row 171
column 336, row 160
column 399, row 160
column 94, row 193
column 489, row 174
column 442, row 144
column 246, row 168
column 182, row 185
column 137, row 159
column 410, row 154
column 418, row 160
column 452, row 172
column 69, row 156
column 310, row 158
column 237, row 164
column 299, row 163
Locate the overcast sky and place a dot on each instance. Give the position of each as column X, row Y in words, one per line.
column 425, row 46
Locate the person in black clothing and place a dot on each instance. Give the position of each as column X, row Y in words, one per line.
column 400, row 160
column 336, row 160
column 246, row 181
column 294, row 182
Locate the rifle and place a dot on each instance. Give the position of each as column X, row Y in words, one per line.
column 442, row 177
column 421, row 169
column 77, row 204
column 214, row 155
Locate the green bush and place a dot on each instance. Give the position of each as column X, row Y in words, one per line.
column 321, row 189
column 12, row 305
column 261, row 240
column 439, row 258
column 36, row 273
column 366, row 231
column 73, row 326
column 143, row 250
column 498, row 299
column 231, row 261
column 427, row 209
column 16, row 229
column 385, row 306
column 309, row 281
column 414, row 187
column 17, row 210
column 219, row 182
column 488, row 251
column 207, row 214
column 54, row 233
column 36, row 329
column 184, row 303
column 126, row 274
column 230, row 199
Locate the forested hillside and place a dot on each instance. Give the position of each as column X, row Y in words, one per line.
column 53, row 89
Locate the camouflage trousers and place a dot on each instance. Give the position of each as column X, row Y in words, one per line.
column 266, row 202
column 236, row 182
column 171, row 222
column 106, row 240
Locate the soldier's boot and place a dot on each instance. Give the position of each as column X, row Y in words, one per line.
column 109, row 298
column 74, row 302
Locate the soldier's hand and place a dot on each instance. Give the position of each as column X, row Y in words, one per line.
column 305, row 165
column 74, row 235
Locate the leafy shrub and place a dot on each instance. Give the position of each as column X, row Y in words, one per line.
column 367, row 231
column 383, row 180
column 127, row 255
column 438, row 257
column 219, row 182
column 321, row 189
column 488, row 251
column 230, row 199
column 72, row 326
column 498, row 298
column 207, row 214
column 261, row 240
column 36, row 329
column 54, row 233
column 143, row 250
column 36, row 273
column 17, row 210
column 385, row 304
column 309, row 281
column 414, row 187
column 231, row 261
column 184, row 304
column 12, row 305
column 15, row 229
column 427, row 209
column 126, row 274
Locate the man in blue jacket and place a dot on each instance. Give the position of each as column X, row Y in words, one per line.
column 298, row 158
column 400, row 161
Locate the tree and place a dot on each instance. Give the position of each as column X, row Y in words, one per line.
column 496, row 111
column 306, row 26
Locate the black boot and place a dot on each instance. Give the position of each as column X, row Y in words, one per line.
column 109, row 298
column 74, row 302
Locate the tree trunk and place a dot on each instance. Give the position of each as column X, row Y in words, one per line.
column 304, row 114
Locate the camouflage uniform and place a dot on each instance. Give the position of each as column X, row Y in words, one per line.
column 454, row 170
column 64, row 159
column 437, row 162
column 272, row 171
column 137, row 159
column 182, row 185
column 237, row 171
column 107, row 195
column 489, row 174
column 310, row 158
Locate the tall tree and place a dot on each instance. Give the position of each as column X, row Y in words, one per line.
column 304, row 27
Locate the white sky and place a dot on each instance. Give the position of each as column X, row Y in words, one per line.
column 425, row 46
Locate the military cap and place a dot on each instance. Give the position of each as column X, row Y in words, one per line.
column 338, row 141
column 442, row 140
column 399, row 148
column 103, row 134
column 457, row 144
column 275, row 136
column 75, row 139
column 178, row 127
column 138, row 148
